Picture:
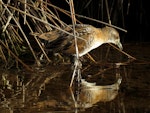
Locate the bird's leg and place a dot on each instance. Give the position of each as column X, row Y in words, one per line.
column 78, row 63
column 75, row 62
column 77, row 71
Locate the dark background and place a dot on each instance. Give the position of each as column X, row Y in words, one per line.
column 132, row 15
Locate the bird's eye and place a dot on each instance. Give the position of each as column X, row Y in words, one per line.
column 115, row 35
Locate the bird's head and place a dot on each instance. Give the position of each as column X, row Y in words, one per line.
column 112, row 36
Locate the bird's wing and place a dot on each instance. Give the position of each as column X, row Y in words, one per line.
column 86, row 34
column 60, row 41
column 50, row 36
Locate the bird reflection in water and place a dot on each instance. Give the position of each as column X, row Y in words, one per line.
column 87, row 95
column 90, row 93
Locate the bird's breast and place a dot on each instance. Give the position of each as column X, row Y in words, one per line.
column 90, row 46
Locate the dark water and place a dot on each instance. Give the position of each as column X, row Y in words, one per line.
column 104, row 87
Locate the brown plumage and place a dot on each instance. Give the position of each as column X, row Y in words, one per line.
column 88, row 38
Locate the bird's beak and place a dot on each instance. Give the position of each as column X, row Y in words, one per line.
column 119, row 45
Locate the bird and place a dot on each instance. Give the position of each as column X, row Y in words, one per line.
column 88, row 38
